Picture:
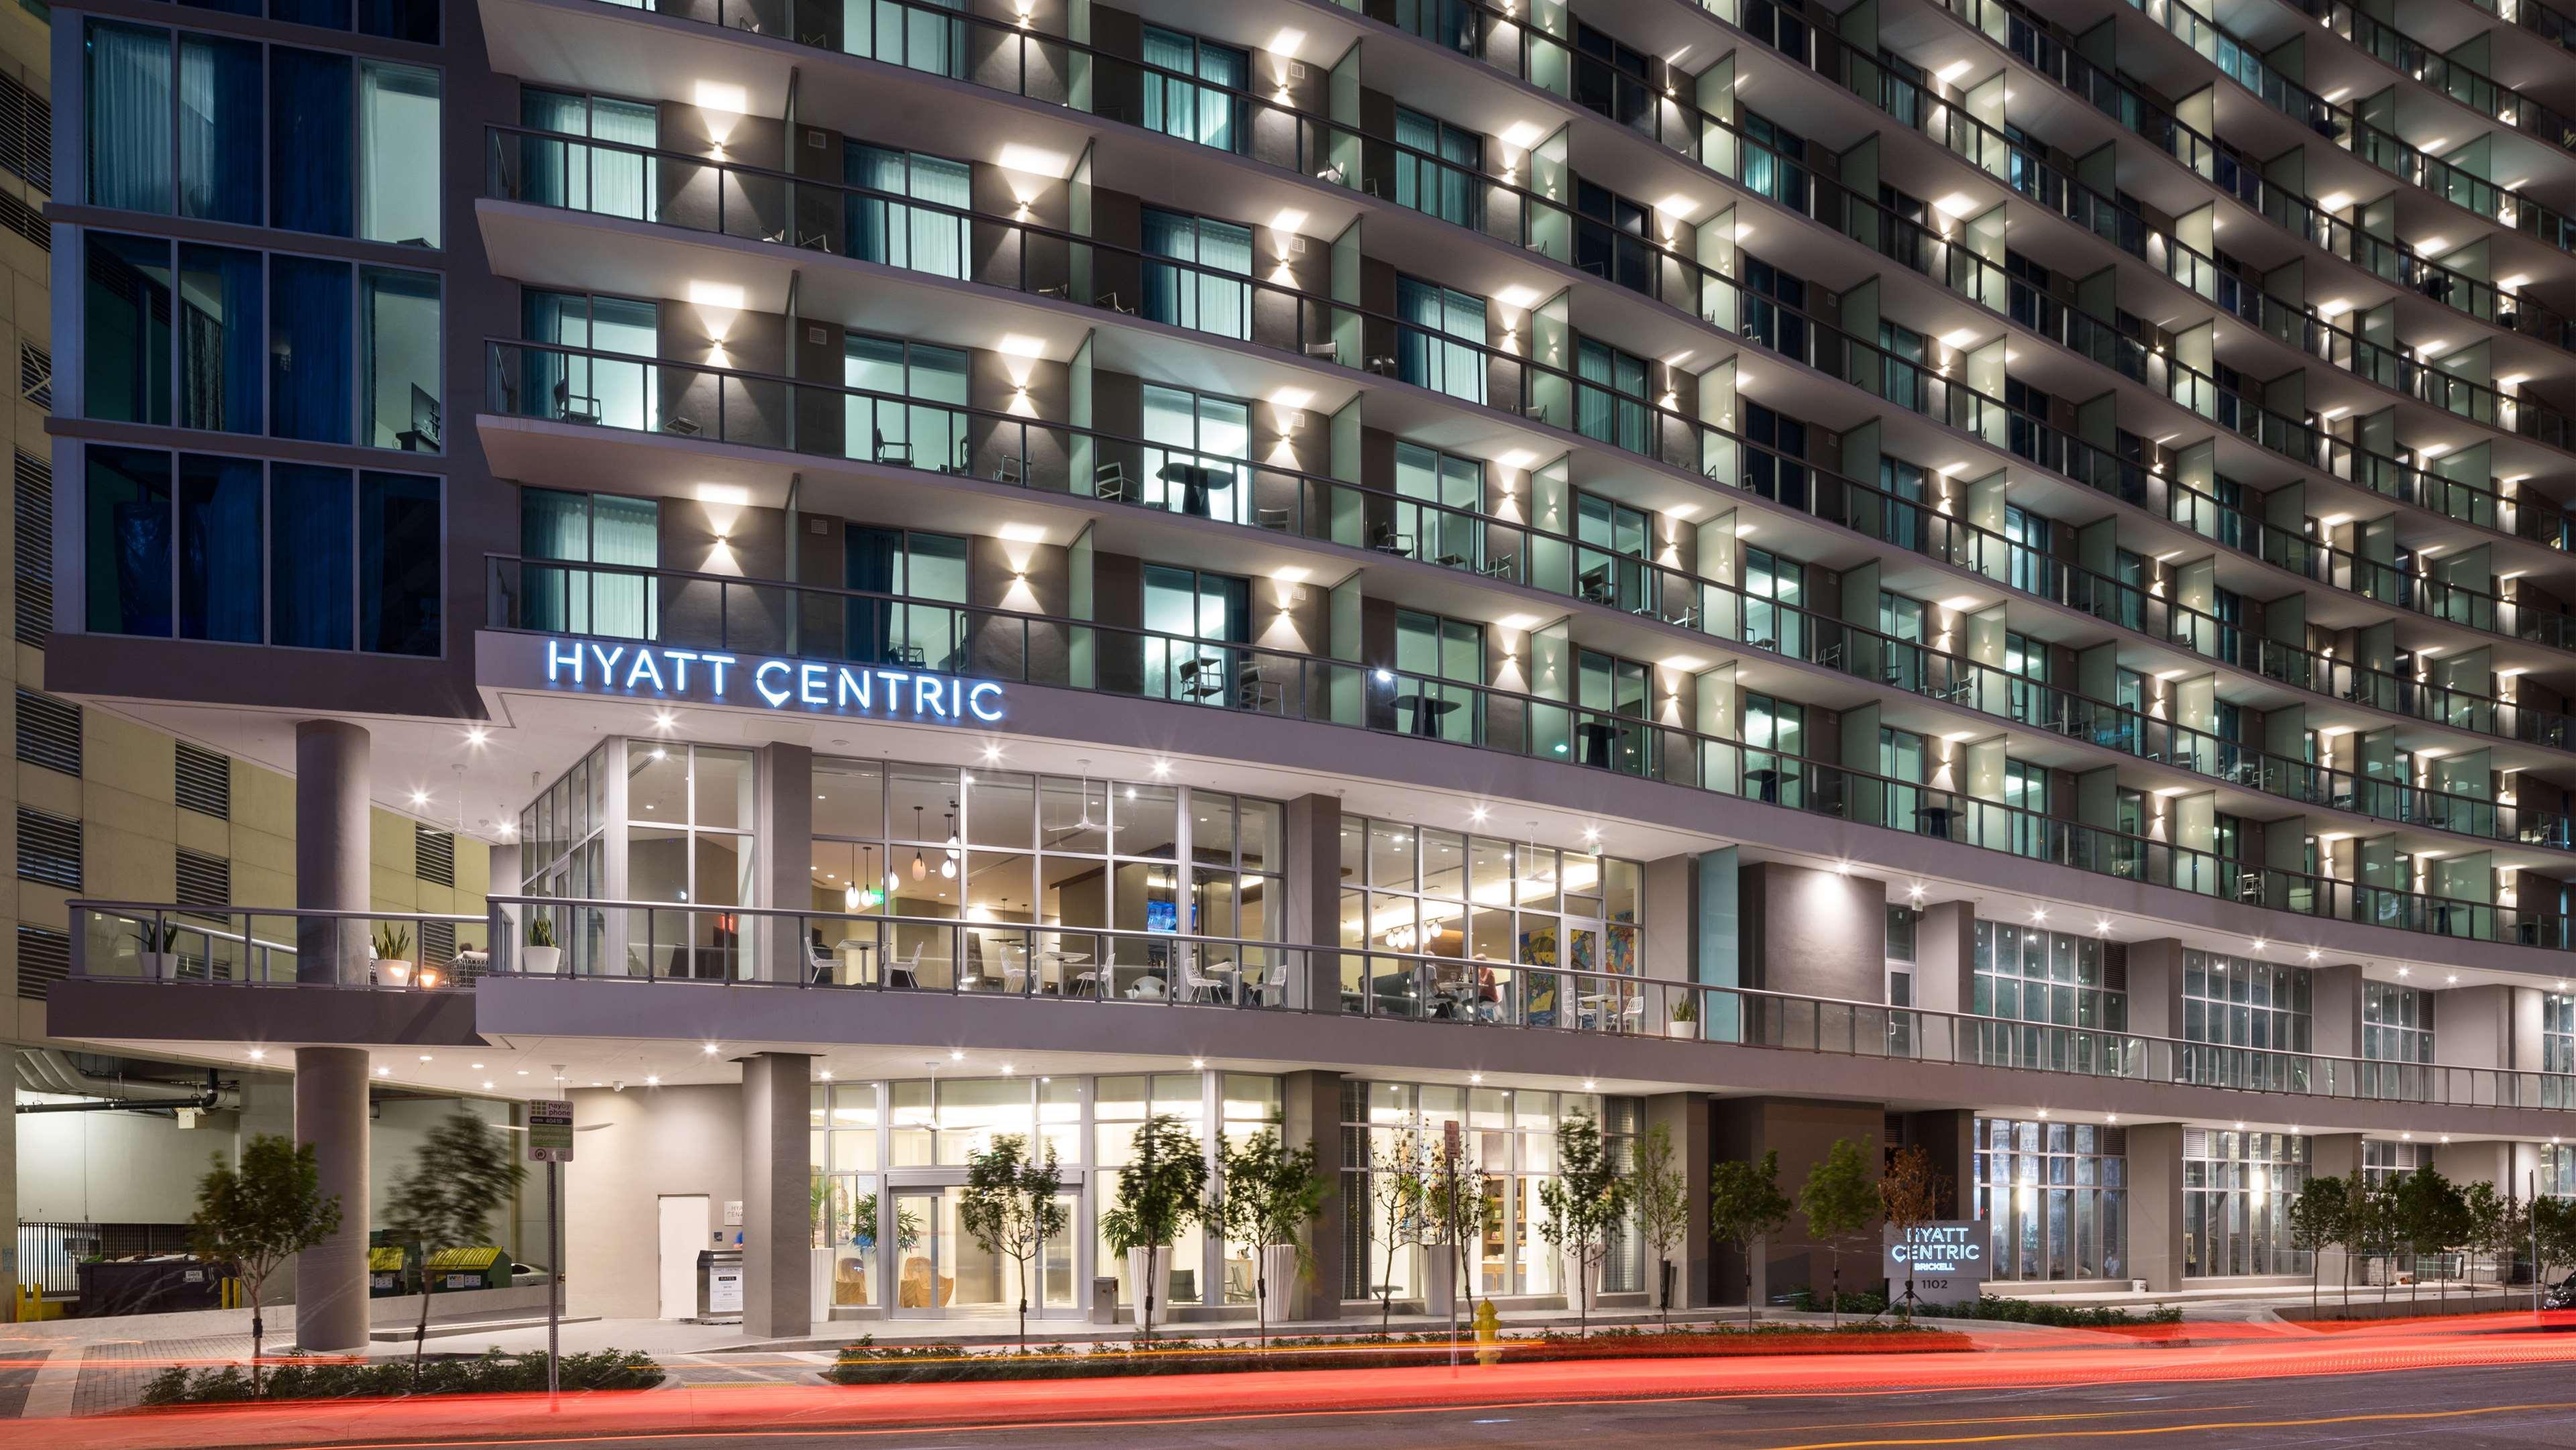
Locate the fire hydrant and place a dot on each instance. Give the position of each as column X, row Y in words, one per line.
column 1489, row 1335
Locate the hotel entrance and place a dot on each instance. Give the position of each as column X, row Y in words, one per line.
column 940, row 1271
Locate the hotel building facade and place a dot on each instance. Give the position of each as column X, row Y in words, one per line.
column 1022, row 565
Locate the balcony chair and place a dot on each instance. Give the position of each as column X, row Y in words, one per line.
column 1198, row 988
column 682, row 424
column 1201, row 679
column 1012, row 469
column 1501, row 566
column 1109, row 481
column 880, row 451
column 1386, row 540
column 1277, row 520
column 1328, row 351
column 905, row 970
column 565, row 397
column 1254, row 690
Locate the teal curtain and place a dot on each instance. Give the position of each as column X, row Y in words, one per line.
column 1212, row 115
column 1200, row 293
column 593, row 529
column 552, row 172
column 885, row 230
column 912, row 34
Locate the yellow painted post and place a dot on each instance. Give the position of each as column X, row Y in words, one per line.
column 1489, row 1336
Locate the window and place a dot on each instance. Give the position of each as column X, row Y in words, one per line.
column 911, row 421
column 1775, row 304
column 1213, row 114
column 1508, row 1137
column 2026, row 539
column 346, row 558
column 1440, row 663
column 1181, row 608
column 570, row 385
column 913, row 36
column 1611, row 694
column 204, row 781
column 33, row 512
column 399, row 348
column 221, row 159
column 126, row 293
column 2026, row 805
column 1613, row 238
column 618, row 179
column 1774, row 462
column 129, row 91
column 884, row 228
column 1198, row 446
column 1775, row 739
column 922, row 573
column 1610, row 398
column 1498, row 903
column 1775, row 592
column 1610, row 564
column 1610, row 78
column 1906, row 624
column 2557, row 1033
column 1198, row 289
column 2254, row 1017
column 1440, row 339
column 1444, row 526
column 222, row 326
column 1901, row 359
column 2026, row 670
column 2049, row 982
column 1901, row 759
column 2396, row 1041
column 688, row 842
column 49, row 849
column 590, row 528
column 49, row 732
column 2237, row 1191
column 311, row 349
column 563, row 853
column 2056, row 1197
column 1439, row 168
column 1772, row 161
column 398, row 190
column 2384, row 1161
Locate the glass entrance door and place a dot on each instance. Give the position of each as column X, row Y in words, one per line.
column 941, row 1272
column 925, row 1271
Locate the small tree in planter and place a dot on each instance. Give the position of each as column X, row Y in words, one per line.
column 1911, row 1195
column 1399, row 1195
column 1160, row 1191
column 1267, row 1194
column 260, row 1214
column 1662, row 1197
column 1839, row 1202
column 2316, row 1221
column 1745, row 1206
column 1459, row 1213
column 1584, row 1202
column 1010, row 1207
column 462, row 1175
column 2553, row 1226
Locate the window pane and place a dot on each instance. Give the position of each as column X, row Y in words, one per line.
column 219, row 129
column 309, row 142
column 129, row 117
column 221, row 337
column 398, row 187
column 309, row 569
column 399, row 311
column 219, row 539
column 329, row 14
column 129, row 541
column 398, row 564
column 126, row 330
column 412, row 20
column 309, row 348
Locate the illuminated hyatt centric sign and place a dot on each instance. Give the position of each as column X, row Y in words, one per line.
column 770, row 682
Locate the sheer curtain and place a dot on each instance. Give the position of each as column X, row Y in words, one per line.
column 554, row 525
column 128, row 81
column 1198, row 296
column 877, row 229
column 625, row 531
column 551, row 172
column 939, row 237
column 887, row 231
column 623, row 183
column 398, row 126
column 219, row 129
column 1441, row 345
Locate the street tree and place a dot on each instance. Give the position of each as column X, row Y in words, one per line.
column 1010, row 1207
column 1746, row 1206
column 464, row 1173
column 1584, row 1202
column 1662, row 1196
column 1267, row 1196
column 1911, row 1194
column 258, row 1214
column 1839, row 1201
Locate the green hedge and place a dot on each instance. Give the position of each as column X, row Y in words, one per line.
column 2014, row 1311
column 869, row 1363
column 491, row 1372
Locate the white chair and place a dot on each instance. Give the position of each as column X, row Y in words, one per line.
column 818, row 963
column 1198, row 988
column 907, row 967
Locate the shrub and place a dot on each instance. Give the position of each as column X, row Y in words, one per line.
column 491, row 1372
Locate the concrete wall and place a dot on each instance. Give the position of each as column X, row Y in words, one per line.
column 1816, row 932
column 1803, row 1130
column 656, row 1141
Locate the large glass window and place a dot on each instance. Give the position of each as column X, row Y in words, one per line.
column 2055, row 1196
column 1441, row 661
column 1195, row 616
column 604, row 179
column 589, row 528
column 222, row 332
column 1775, row 597
column 2254, row 1018
column 883, row 228
column 572, row 388
column 563, row 851
column 2237, row 1191
column 1213, row 114
column 2049, row 982
column 1508, row 1138
column 2396, row 1041
column 1444, row 526
column 1198, row 445
column 210, row 547
column 1439, row 168
column 311, row 148
column 398, row 178
column 1610, row 396
column 914, row 36
column 126, row 296
column 1775, row 743
column 129, row 93
column 311, row 349
column 916, row 423
column 1202, row 292
column 221, row 112
column 400, row 350
column 688, row 842
column 912, row 566
column 1440, row 339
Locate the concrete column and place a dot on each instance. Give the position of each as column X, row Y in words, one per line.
column 1685, row 1116
column 1802, row 1130
column 2335, row 1002
column 333, row 768
column 2334, row 1155
column 1314, row 906
column 1945, row 957
column 784, row 808
column 1815, row 932
column 2155, row 986
column 1312, row 1118
column 2155, row 1205
column 331, row 1277
column 2474, row 1027
column 777, row 1204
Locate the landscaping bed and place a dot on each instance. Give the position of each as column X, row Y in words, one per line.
column 491, row 1372
column 870, row 1363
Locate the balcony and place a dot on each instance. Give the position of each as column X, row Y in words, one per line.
column 1052, row 968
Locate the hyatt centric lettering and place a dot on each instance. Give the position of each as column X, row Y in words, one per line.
column 777, row 684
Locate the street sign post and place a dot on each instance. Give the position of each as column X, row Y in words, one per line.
column 550, row 1143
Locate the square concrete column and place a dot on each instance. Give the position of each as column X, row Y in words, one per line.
column 1685, row 1117
column 331, row 1277
column 2155, row 987
column 1945, row 958
column 2334, row 1155
column 2474, row 1027
column 2155, row 1205
column 2334, row 1000
column 1802, row 1130
column 777, row 1200
column 1819, row 933
column 784, row 809
column 1311, row 1117
column 333, row 770
column 1314, row 905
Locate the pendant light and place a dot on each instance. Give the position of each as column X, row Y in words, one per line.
column 919, row 869
column 866, row 900
column 948, row 863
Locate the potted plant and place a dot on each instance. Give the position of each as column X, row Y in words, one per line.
column 160, row 954
column 543, row 955
column 393, row 953
column 1685, row 1021
column 1160, row 1191
column 1267, row 1196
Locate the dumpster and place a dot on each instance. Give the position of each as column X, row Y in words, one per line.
column 388, row 1273
column 477, row 1268
column 719, row 1286
column 151, row 1286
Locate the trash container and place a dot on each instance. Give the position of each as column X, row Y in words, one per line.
column 476, row 1268
column 1104, row 1300
column 719, row 1286
column 158, row 1285
column 388, row 1273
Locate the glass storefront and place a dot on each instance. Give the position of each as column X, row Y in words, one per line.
column 2044, row 980
column 2056, row 1196
column 2245, row 1012
column 2237, row 1191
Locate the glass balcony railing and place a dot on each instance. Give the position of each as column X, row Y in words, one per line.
column 1021, row 256
column 564, row 384
column 810, row 622
column 2474, row 89
column 1093, row 968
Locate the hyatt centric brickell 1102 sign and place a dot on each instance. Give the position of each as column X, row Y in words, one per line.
column 771, row 683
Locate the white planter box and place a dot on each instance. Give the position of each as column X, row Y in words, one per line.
column 543, row 961
column 1279, row 1279
column 1681, row 1029
column 1161, row 1281
column 161, row 966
